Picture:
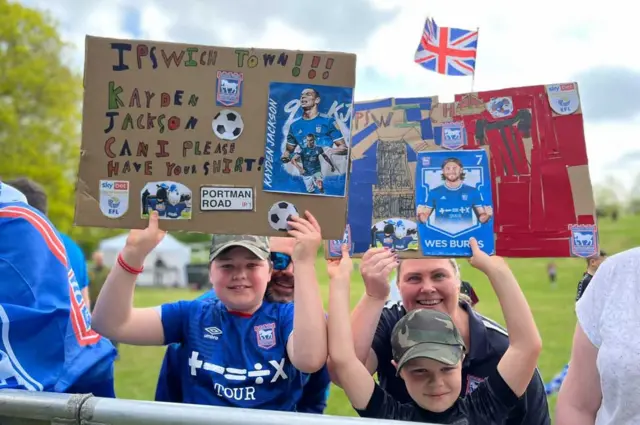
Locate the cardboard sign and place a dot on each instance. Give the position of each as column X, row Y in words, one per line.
column 533, row 139
column 185, row 130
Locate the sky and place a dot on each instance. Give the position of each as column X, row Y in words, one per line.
column 551, row 42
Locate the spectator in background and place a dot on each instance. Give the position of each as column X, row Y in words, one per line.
column 315, row 392
column 592, row 266
column 467, row 289
column 47, row 344
column 37, row 198
column 552, row 272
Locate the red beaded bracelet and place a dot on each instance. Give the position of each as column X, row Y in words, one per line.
column 127, row 267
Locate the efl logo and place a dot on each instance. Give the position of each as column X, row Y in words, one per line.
column 80, row 315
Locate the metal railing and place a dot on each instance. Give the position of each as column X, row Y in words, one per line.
column 37, row 408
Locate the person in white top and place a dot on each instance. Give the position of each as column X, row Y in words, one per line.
column 602, row 386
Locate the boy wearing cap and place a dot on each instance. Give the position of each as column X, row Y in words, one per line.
column 238, row 350
column 428, row 351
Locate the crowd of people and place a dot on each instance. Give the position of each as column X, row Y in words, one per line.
column 243, row 344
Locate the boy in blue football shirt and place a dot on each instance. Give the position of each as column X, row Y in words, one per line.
column 49, row 344
column 315, row 393
column 239, row 350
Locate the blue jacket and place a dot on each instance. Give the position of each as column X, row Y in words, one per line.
column 49, row 344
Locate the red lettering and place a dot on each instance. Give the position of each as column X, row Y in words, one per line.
column 107, row 147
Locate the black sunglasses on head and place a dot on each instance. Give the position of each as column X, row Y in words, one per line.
column 280, row 261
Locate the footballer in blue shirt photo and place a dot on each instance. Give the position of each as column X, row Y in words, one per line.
column 307, row 139
column 454, row 202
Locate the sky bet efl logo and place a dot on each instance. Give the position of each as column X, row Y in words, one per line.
column 115, row 185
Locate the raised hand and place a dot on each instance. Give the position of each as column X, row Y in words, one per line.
column 376, row 267
column 141, row 242
column 340, row 267
column 482, row 261
column 308, row 237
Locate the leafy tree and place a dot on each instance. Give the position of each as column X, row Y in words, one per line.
column 39, row 108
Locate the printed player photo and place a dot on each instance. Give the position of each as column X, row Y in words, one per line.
column 455, row 206
column 323, row 127
column 170, row 199
column 308, row 136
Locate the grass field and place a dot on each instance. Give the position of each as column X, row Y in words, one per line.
column 137, row 369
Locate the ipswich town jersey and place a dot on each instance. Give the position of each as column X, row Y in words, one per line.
column 454, row 208
column 322, row 126
column 231, row 359
column 47, row 342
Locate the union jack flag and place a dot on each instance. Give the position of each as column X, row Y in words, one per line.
column 448, row 51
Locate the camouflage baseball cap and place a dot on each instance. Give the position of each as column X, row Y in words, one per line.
column 259, row 245
column 426, row 333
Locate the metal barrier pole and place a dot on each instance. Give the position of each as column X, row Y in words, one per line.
column 130, row 412
column 21, row 406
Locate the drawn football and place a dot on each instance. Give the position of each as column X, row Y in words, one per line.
column 279, row 214
column 227, row 124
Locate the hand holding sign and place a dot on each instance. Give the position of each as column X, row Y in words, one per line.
column 308, row 238
column 141, row 242
column 377, row 264
column 482, row 261
column 340, row 267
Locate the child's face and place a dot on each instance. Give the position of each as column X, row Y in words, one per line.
column 240, row 279
column 434, row 386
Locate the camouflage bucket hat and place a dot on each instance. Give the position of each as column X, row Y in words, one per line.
column 428, row 334
column 259, row 245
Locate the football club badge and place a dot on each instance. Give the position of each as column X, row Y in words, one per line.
column 426, row 161
column 500, row 107
column 584, row 240
column 563, row 98
column 335, row 246
column 229, row 88
column 472, row 383
column 453, row 135
column 266, row 335
column 114, row 198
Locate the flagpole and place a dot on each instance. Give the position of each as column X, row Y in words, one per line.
column 473, row 76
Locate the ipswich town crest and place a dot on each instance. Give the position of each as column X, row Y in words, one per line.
column 584, row 240
column 454, row 135
column 229, row 87
column 266, row 335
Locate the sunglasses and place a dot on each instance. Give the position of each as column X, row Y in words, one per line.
column 280, row 261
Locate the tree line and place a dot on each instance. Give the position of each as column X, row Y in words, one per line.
column 40, row 115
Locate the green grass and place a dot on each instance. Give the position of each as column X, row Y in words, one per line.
column 553, row 308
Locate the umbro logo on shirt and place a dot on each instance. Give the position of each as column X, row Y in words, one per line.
column 212, row 332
